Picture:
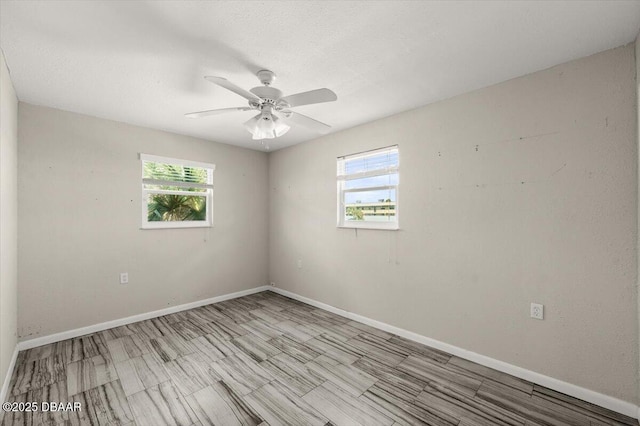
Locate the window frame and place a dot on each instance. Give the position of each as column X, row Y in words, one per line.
column 145, row 223
column 343, row 177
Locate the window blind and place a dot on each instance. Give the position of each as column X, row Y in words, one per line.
column 158, row 172
column 371, row 163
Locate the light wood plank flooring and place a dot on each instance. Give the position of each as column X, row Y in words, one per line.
column 265, row 359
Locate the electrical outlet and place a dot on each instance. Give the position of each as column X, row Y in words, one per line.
column 272, row 284
column 124, row 278
column 299, row 263
column 537, row 311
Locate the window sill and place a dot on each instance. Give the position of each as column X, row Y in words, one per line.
column 146, row 227
column 393, row 227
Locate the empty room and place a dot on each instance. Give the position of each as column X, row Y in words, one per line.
column 319, row 213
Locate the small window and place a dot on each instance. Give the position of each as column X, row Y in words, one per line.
column 368, row 189
column 176, row 193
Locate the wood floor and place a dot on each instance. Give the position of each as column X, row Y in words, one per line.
column 266, row 359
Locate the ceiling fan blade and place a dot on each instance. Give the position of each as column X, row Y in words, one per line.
column 311, row 97
column 223, row 82
column 303, row 120
column 201, row 114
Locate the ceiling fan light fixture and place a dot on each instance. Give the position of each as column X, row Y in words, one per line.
column 250, row 124
column 259, row 135
column 266, row 126
column 279, row 127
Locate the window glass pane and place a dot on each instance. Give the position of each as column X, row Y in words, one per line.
column 370, row 206
column 175, row 172
column 369, row 162
column 176, row 208
column 368, row 182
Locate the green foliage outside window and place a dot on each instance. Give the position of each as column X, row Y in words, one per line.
column 355, row 213
column 173, row 208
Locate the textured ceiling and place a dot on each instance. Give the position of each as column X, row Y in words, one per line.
column 143, row 62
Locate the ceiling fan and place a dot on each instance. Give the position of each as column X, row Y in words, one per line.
column 275, row 117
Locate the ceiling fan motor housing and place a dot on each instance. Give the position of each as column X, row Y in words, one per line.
column 268, row 94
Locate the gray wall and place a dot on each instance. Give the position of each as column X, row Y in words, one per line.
column 8, row 218
column 544, row 210
column 80, row 207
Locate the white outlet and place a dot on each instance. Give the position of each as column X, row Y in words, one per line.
column 299, row 263
column 537, row 311
column 272, row 284
column 124, row 278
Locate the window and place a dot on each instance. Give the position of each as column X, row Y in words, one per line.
column 176, row 193
column 368, row 189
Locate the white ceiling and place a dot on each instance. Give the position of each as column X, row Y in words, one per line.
column 143, row 62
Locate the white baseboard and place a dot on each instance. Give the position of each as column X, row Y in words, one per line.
column 611, row 403
column 7, row 378
column 57, row 337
